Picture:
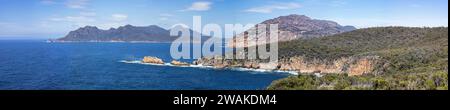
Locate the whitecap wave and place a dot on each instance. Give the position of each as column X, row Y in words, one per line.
column 258, row 71
column 290, row 72
column 264, row 70
column 140, row 62
column 201, row 66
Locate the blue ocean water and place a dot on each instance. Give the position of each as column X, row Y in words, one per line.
column 37, row 65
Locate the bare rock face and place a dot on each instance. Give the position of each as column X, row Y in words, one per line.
column 268, row 66
column 251, row 64
column 179, row 63
column 152, row 60
column 353, row 66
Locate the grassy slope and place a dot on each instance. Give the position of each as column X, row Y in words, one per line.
column 417, row 58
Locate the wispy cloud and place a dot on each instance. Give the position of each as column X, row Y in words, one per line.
column 86, row 17
column 338, row 3
column 77, row 4
column 163, row 18
column 74, row 19
column 73, row 4
column 119, row 17
column 48, row 2
column 199, row 6
column 82, row 19
column 275, row 6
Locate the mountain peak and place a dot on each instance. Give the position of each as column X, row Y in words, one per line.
column 127, row 26
column 304, row 26
column 155, row 27
column 295, row 16
column 89, row 27
column 296, row 26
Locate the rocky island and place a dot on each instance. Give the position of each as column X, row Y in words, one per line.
column 152, row 60
column 156, row 60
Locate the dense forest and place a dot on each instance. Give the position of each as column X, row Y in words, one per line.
column 417, row 59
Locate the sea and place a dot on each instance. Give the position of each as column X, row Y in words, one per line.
column 40, row 65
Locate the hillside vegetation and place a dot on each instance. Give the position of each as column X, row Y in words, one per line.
column 416, row 57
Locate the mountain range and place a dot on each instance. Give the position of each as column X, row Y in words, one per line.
column 291, row 27
column 127, row 33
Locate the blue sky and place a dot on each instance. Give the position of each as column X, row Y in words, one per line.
column 55, row 18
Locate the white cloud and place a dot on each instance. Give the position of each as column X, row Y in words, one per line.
column 77, row 4
column 73, row 4
column 276, row 6
column 74, row 19
column 83, row 19
column 338, row 3
column 119, row 17
column 199, row 6
column 48, row 2
column 163, row 18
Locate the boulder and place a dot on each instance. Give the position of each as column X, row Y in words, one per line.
column 153, row 60
column 178, row 63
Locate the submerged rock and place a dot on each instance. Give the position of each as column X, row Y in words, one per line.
column 153, row 60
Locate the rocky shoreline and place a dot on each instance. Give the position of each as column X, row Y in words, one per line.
column 353, row 66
